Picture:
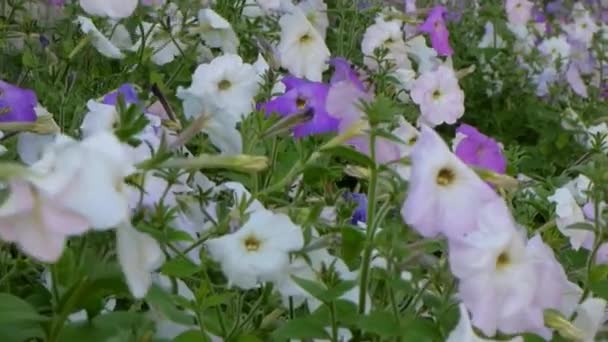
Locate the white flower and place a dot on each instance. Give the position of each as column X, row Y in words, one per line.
column 316, row 13
column 408, row 135
column 216, row 31
column 568, row 213
column 490, row 38
column 422, row 54
column 259, row 251
column 100, row 117
column 598, row 134
column 556, row 49
column 109, row 8
column 139, row 255
column 301, row 49
column 579, row 187
column 228, row 83
column 164, row 48
column 583, row 28
column 89, row 175
column 463, row 332
column 223, row 90
column 317, row 264
column 104, row 45
column 525, row 40
column 439, row 96
column 388, row 35
column 590, row 317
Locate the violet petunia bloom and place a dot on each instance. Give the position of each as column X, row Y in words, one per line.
column 360, row 212
column 477, row 149
column 128, row 92
column 17, row 104
column 343, row 71
column 300, row 97
column 435, row 26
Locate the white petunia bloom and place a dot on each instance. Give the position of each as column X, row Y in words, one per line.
column 316, row 12
column 556, row 50
column 139, row 255
column 115, row 9
column 590, row 316
column 568, row 213
column 223, row 90
column 301, row 49
column 164, row 48
column 259, row 251
column 103, row 45
column 490, row 38
column 388, row 35
column 598, row 134
column 89, row 175
column 463, row 332
column 216, row 31
column 422, row 54
column 583, row 28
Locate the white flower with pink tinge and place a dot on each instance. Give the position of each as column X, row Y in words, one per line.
column 439, row 96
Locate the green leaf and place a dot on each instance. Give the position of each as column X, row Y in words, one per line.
column 301, row 328
column 340, row 289
column 314, row 288
column 351, row 155
column 192, row 336
column 420, row 329
column 118, row 326
column 353, row 241
column 381, row 323
column 16, row 310
column 179, row 267
column 582, row 226
column 163, row 302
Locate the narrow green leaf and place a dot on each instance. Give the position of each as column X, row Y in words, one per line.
column 179, row 267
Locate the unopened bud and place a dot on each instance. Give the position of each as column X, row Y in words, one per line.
column 356, row 129
column 242, row 163
column 555, row 320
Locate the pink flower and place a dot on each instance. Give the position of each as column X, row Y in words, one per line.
column 434, row 25
column 519, row 12
column 343, row 103
column 504, row 281
column 444, row 195
column 37, row 223
column 439, row 96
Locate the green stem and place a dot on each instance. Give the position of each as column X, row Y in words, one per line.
column 66, row 309
column 596, row 246
column 334, row 322
column 371, row 223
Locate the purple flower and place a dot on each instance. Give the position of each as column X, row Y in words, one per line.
column 343, row 71
column 128, row 93
column 477, row 149
column 302, row 96
column 17, row 104
column 57, row 2
column 360, row 212
column 434, row 25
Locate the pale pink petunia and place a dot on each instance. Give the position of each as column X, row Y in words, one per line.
column 38, row 224
column 573, row 76
column 439, row 96
column 444, row 194
column 519, row 12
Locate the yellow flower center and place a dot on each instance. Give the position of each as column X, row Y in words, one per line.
column 252, row 243
column 300, row 103
column 445, row 177
column 436, row 94
column 503, row 260
column 305, row 38
column 224, row 84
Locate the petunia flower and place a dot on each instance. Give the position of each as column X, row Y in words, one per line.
column 115, row 9
column 17, row 104
column 303, row 96
column 439, row 96
column 301, row 49
column 258, row 251
column 435, row 26
column 385, row 35
column 477, row 149
column 216, row 31
column 519, row 12
column 439, row 183
column 360, row 212
column 38, row 222
column 463, row 332
column 316, row 13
